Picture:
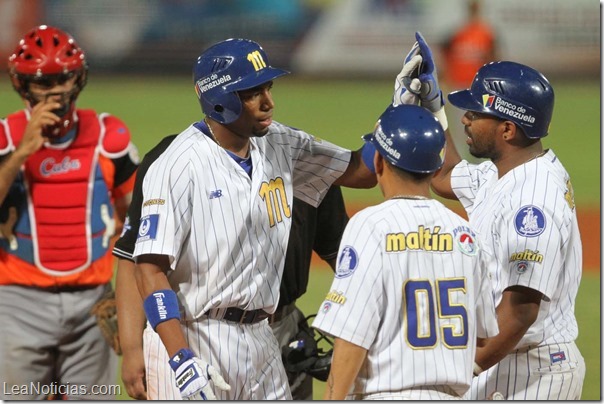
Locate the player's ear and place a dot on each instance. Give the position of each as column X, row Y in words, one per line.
column 509, row 131
column 378, row 163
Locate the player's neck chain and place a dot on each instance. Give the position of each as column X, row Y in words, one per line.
column 543, row 153
column 212, row 132
column 415, row 197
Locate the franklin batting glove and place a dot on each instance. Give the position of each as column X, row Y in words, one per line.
column 407, row 84
column 193, row 376
column 430, row 94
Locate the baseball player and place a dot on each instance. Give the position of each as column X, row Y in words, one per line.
column 215, row 221
column 410, row 296
column 318, row 229
column 65, row 174
column 522, row 206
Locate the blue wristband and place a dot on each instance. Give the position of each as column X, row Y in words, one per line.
column 160, row 306
column 180, row 357
column 367, row 154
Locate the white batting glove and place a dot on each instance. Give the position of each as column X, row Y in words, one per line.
column 193, row 376
column 407, row 85
column 430, row 93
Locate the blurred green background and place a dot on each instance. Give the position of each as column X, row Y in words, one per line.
column 342, row 111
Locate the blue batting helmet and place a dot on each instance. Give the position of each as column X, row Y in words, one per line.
column 409, row 137
column 513, row 92
column 225, row 68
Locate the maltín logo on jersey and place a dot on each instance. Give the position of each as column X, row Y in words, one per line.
column 336, row 297
column 148, row 228
column 529, row 221
column 488, row 100
column 424, row 238
column 347, row 262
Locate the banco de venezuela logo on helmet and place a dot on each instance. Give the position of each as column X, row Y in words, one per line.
column 487, row 100
column 508, row 108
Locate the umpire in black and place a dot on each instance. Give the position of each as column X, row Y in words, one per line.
column 313, row 229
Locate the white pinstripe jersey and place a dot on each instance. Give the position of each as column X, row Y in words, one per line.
column 226, row 233
column 409, row 288
column 527, row 221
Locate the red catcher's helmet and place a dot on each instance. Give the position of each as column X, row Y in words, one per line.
column 45, row 55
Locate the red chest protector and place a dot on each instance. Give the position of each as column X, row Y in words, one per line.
column 65, row 193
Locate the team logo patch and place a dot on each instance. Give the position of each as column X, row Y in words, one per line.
column 467, row 243
column 557, row 357
column 529, row 221
column 148, row 228
column 522, row 266
column 347, row 262
column 326, row 307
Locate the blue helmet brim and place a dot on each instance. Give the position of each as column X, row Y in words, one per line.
column 252, row 80
column 463, row 99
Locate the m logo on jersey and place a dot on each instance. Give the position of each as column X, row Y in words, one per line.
column 148, row 228
column 347, row 262
column 529, row 221
column 273, row 194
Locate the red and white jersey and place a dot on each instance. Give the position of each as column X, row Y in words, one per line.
column 527, row 222
column 410, row 288
column 225, row 231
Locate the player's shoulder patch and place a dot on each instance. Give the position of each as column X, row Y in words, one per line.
column 347, row 262
column 466, row 240
column 116, row 141
column 529, row 221
column 148, row 228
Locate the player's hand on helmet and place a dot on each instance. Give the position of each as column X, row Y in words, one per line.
column 430, row 94
column 407, row 84
column 194, row 376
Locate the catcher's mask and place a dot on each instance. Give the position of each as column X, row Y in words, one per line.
column 48, row 56
column 303, row 354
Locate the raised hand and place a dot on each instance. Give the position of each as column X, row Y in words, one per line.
column 430, row 94
column 407, row 84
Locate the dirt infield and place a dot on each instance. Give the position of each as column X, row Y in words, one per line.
column 589, row 225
